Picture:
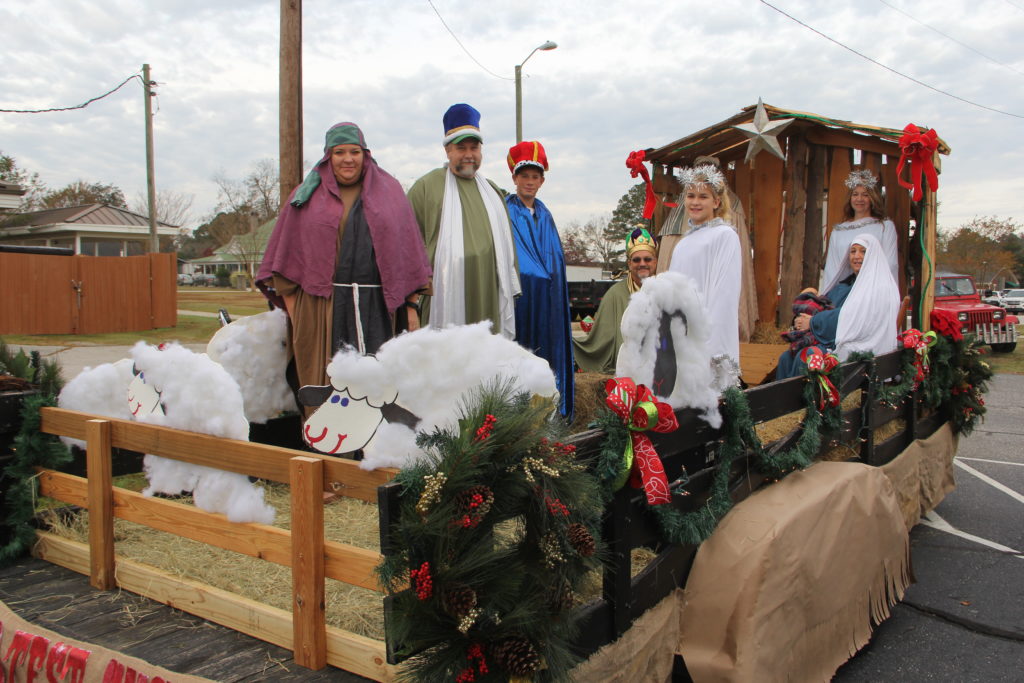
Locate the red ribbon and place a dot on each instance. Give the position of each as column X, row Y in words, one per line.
column 918, row 147
column 820, row 365
column 635, row 164
column 636, row 405
column 920, row 343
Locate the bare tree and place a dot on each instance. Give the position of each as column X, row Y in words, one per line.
column 593, row 239
column 172, row 208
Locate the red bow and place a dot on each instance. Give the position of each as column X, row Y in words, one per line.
column 914, row 339
column 635, row 164
column 640, row 411
column 820, row 366
column 918, row 147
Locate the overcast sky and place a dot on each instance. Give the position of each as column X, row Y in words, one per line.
column 626, row 75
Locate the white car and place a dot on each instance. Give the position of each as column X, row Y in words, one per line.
column 1013, row 301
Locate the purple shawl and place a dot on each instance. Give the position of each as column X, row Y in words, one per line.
column 303, row 246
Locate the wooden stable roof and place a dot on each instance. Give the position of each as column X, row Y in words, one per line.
column 728, row 144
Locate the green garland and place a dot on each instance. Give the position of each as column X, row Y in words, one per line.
column 957, row 377
column 497, row 529
column 739, row 437
column 32, row 448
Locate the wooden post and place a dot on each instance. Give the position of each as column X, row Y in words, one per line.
column 309, row 618
column 813, row 235
column 794, row 229
column 101, row 505
column 767, row 233
column 929, row 212
column 290, row 98
column 147, row 88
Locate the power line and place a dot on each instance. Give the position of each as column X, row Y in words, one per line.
column 1013, row 4
column 445, row 24
column 889, row 68
column 83, row 105
column 946, row 35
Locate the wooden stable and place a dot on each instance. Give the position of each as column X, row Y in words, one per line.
column 303, row 630
column 792, row 204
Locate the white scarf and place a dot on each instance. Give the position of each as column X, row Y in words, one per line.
column 867, row 320
column 448, row 306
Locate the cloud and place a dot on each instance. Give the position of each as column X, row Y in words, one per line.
column 624, row 77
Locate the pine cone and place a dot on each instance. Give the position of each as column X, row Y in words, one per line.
column 473, row 504
column 562, row 598
column 459, row 599
column 581, row 540
column 516, row 655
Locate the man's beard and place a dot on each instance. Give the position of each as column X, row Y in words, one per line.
column 467, row 169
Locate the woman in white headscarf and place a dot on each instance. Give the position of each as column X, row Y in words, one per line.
column 863, row 214
column 866, row 301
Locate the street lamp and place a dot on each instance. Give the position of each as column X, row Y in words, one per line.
column 548, row 45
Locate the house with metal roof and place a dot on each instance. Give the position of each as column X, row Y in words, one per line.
column 241, row 253
column 90, row 230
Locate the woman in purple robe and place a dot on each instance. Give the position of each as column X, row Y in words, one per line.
column 346, row 259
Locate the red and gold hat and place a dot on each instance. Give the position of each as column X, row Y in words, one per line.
column 527, row 153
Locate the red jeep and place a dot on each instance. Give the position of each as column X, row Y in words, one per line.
column 990, row 324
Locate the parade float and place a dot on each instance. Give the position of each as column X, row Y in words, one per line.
column 733, row 534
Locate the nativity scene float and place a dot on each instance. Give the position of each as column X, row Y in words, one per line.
column 508, row 548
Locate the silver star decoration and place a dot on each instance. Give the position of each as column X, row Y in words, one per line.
column 762, row 132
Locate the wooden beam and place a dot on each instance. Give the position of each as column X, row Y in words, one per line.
column 833, row 137
column 839, row 169
column 344, row 477
column 349, row 651
column 813, row 233
column 101, row 505
column 767, row 233
column 795, row 224
column 309, row 604
column 343, row 562
column 930, row 213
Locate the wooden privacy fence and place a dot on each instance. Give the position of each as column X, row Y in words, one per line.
column 627, row 525
column 56, row 294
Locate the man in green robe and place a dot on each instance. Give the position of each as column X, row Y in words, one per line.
column 467, row 232
column 598, row 351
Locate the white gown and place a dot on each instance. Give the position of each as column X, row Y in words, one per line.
column 710, row 254
column 842, row 237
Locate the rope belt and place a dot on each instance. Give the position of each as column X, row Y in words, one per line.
column 355, row 286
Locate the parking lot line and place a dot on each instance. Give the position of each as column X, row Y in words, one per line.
column 990, row 481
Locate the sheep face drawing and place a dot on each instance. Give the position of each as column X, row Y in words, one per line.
column 143, row 398
column 344, row 423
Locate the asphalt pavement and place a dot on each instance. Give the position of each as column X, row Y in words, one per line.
column 963, row 620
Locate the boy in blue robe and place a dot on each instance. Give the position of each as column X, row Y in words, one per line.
column 543, row 323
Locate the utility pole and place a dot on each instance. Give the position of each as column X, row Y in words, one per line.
column 147, row 87
column 290, row 98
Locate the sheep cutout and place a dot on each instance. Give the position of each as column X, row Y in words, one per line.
column 198, row 395
column 254, row 351
column 414, row 384
column 99, row 390
column 174, row 387
column 664, row 345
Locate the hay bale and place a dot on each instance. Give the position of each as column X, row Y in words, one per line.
column 590, row 396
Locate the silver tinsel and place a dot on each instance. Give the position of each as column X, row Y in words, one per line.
column 861, row 177
column 725, row 372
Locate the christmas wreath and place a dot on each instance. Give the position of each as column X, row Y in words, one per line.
column 496, row 530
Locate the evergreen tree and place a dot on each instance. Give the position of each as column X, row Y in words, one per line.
column 627, row 216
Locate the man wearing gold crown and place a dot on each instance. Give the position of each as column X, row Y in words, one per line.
column 543, row 322
column 598, row 351
column 465, row 226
